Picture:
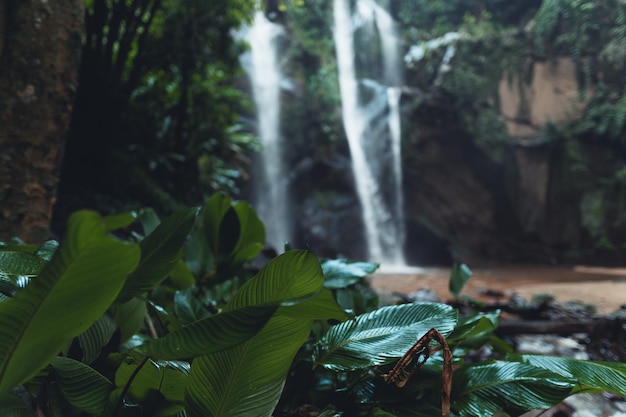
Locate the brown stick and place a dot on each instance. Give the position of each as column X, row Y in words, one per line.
column 410, row 363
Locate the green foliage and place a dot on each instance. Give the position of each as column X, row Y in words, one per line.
column 37, row 323
column 82, row 386
column 381, row 336
column 159, row 254
column 435, row 16
column 229, row 234
column 234, row 231
column 439, row 17
column 497, row 40
column 571, row 24
column 346, row 280
column 458, row 58
column 210, row 334
column 157, row 108
column 484, row 389
column 105, row 328
column 458, row 278
column 341, row 273
column 588, row 375
column 250, row 376
column 310, row 23
column 157, row 386
column 593, row 35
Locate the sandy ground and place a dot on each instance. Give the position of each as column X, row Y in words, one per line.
column 603, row 287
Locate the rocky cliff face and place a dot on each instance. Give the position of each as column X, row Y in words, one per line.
column 552, row 95
column 506, row 210
column 509, row 197
column 461, row 204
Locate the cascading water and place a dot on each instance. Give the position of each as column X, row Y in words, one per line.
column 394, row 95
column 262, row 66
column 371, row 118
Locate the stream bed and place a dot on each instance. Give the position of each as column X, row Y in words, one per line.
column 590, row 302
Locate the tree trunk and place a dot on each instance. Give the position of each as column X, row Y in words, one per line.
column 40, row 44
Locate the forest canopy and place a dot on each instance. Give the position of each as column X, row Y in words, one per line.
column 156, row 115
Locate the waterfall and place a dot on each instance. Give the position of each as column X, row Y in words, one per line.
column 262, row 66
column 371, row 118
column 394, row 95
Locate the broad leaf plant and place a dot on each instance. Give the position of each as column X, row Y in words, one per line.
column 133, row 316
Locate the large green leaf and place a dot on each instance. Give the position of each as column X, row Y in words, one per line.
column 357, row 300
column 232, row 229
column 229, row 233
column 251, row 235
column 211, row 334
column 475, row 331
column 95, row 337
column 160, row 251
column 180, row 276
column 149, row 220
column 589, row 375
column 16, row 267
column 47, row 249
column 482, row 390
column 341, row 273
column 120, row 220
column 18, row 246
column 81, row 385
column 75, row 288
column 199, row 257
column 129, row 317
column 188, row 308
column 14, row 263
column 475, row 325
column 144, row 381
column 381, row 336
column 292, row 275
column 214, row 211
column 459, row 276
column 7, row 288
column 247, row 380
column 322, row 306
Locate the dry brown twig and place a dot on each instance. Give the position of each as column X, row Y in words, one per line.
column 411, row 362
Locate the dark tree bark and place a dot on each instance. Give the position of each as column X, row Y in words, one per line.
column 40, row 44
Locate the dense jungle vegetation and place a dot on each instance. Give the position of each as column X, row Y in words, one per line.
column 156, row 119
column 162, row 119
column 170, row 322
column 161, row 311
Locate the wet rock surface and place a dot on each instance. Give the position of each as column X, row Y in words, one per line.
column 586, row 405
column 607, row 340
